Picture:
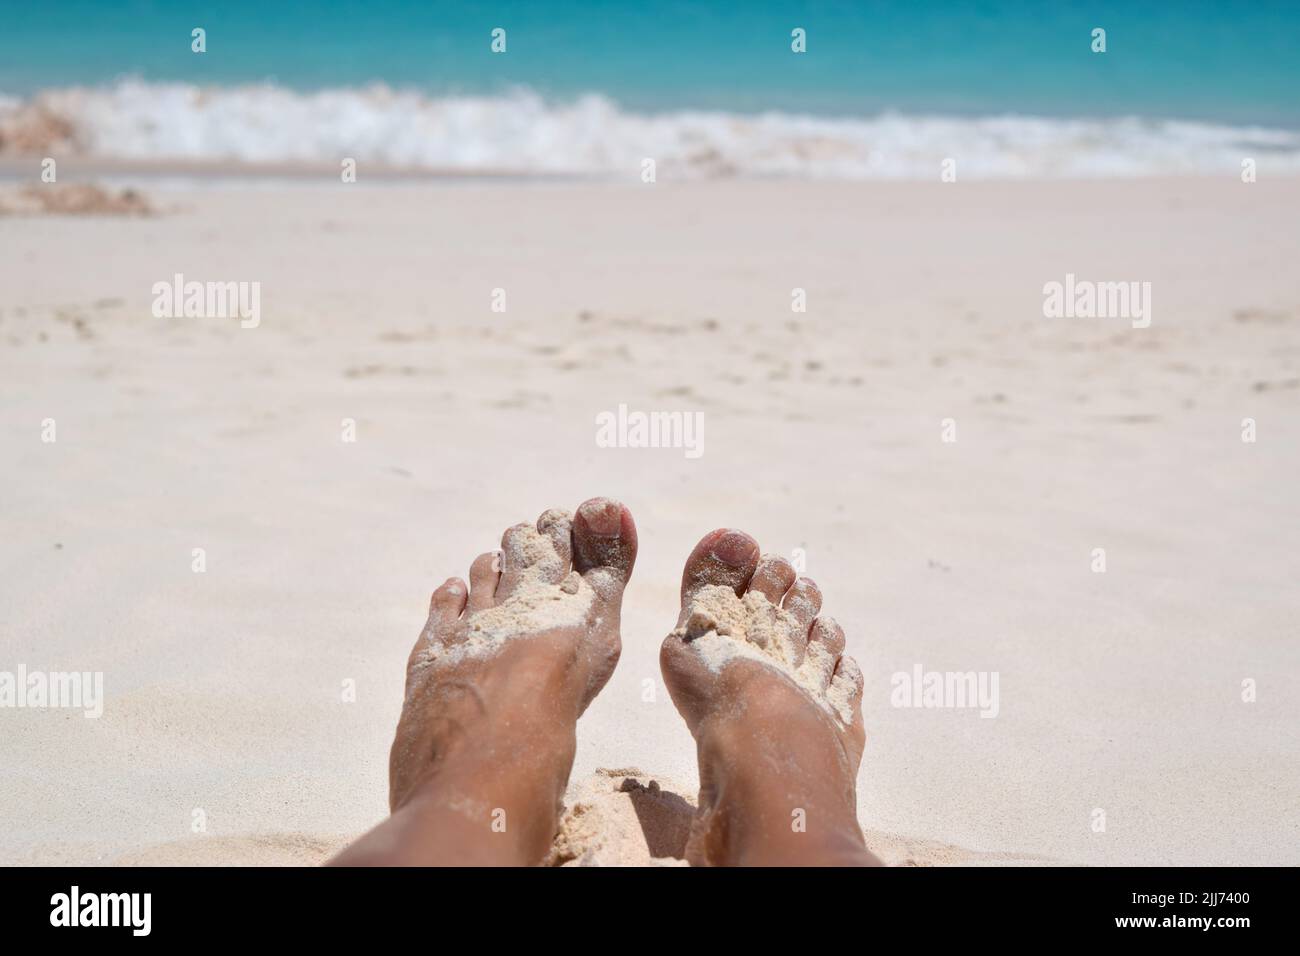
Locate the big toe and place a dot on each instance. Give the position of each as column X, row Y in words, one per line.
column 725, row 557
column 604, row 546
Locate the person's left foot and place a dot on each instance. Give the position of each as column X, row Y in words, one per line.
column 494, row 689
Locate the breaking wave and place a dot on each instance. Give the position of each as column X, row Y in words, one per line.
column 523, row 133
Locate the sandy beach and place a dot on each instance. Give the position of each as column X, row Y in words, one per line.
column 225, row 692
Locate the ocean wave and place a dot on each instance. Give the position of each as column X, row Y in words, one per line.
column 523, row 133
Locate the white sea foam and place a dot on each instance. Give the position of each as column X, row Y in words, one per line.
column 591, row 135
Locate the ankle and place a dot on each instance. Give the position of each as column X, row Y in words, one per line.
column 496, row 754
column 764, row 808
column 497, row 803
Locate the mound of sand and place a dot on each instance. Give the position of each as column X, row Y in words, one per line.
column 626, row 817
column 82, row 199
column 33, row 129
column 623, row 817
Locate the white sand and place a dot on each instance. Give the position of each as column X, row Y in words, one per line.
column 1119, row 691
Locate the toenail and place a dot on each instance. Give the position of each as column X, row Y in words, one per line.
column 603, row 517
column 734, row 549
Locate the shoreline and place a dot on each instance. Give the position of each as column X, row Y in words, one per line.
column 178, row 174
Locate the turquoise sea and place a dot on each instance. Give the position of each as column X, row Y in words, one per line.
column 587, row 86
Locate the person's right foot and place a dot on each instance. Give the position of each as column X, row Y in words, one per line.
column 775, row 708
column 494, row 688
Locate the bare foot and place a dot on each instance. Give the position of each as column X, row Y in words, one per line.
column 775, row 708
column 494, row 689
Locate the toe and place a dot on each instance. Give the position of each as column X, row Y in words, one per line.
column 483, row 576
column 604, row 546
column 557, row 525
column 447, row 602
column 527, row 554
column 444, row 608
column 803, row 601
column 825, row 645
column 773, row 577
column 848, row 669
column 724, row 557
column 827, row 632
column 847, row 684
